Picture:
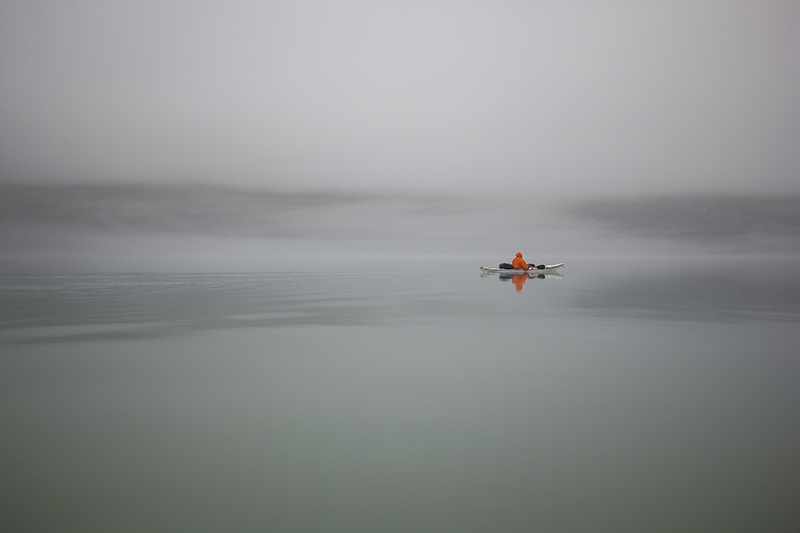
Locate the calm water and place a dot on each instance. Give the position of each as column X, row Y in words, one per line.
column 661, row 395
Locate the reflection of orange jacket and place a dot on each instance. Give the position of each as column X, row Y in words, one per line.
column 519, row 280
column 519, row 263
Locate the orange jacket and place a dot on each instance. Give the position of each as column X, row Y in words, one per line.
column 519, row 263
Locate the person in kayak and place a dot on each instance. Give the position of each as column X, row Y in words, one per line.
column 519, row 263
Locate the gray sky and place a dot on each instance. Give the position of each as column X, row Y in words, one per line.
column 509, row 97
column 251, row 134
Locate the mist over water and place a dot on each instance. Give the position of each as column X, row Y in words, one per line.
column 93, row 228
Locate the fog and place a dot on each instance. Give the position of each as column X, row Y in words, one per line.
column 136, row 227
column 272, row 130
column 205, row 227
column 437, row 95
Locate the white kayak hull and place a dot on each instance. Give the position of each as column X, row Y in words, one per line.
column 548, row 269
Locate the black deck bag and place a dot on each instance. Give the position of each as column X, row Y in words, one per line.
column 506, row 266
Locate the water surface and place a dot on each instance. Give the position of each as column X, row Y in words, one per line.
column 661, row 396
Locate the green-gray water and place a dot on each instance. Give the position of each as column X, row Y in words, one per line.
column 655, row 395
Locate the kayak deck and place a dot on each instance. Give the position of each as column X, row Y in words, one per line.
column 532, row 270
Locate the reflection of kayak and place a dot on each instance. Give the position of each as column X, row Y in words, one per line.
column 548, row 269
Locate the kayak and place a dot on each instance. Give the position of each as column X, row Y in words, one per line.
column 548, row 269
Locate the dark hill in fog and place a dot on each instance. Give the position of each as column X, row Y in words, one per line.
column 696, row 216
